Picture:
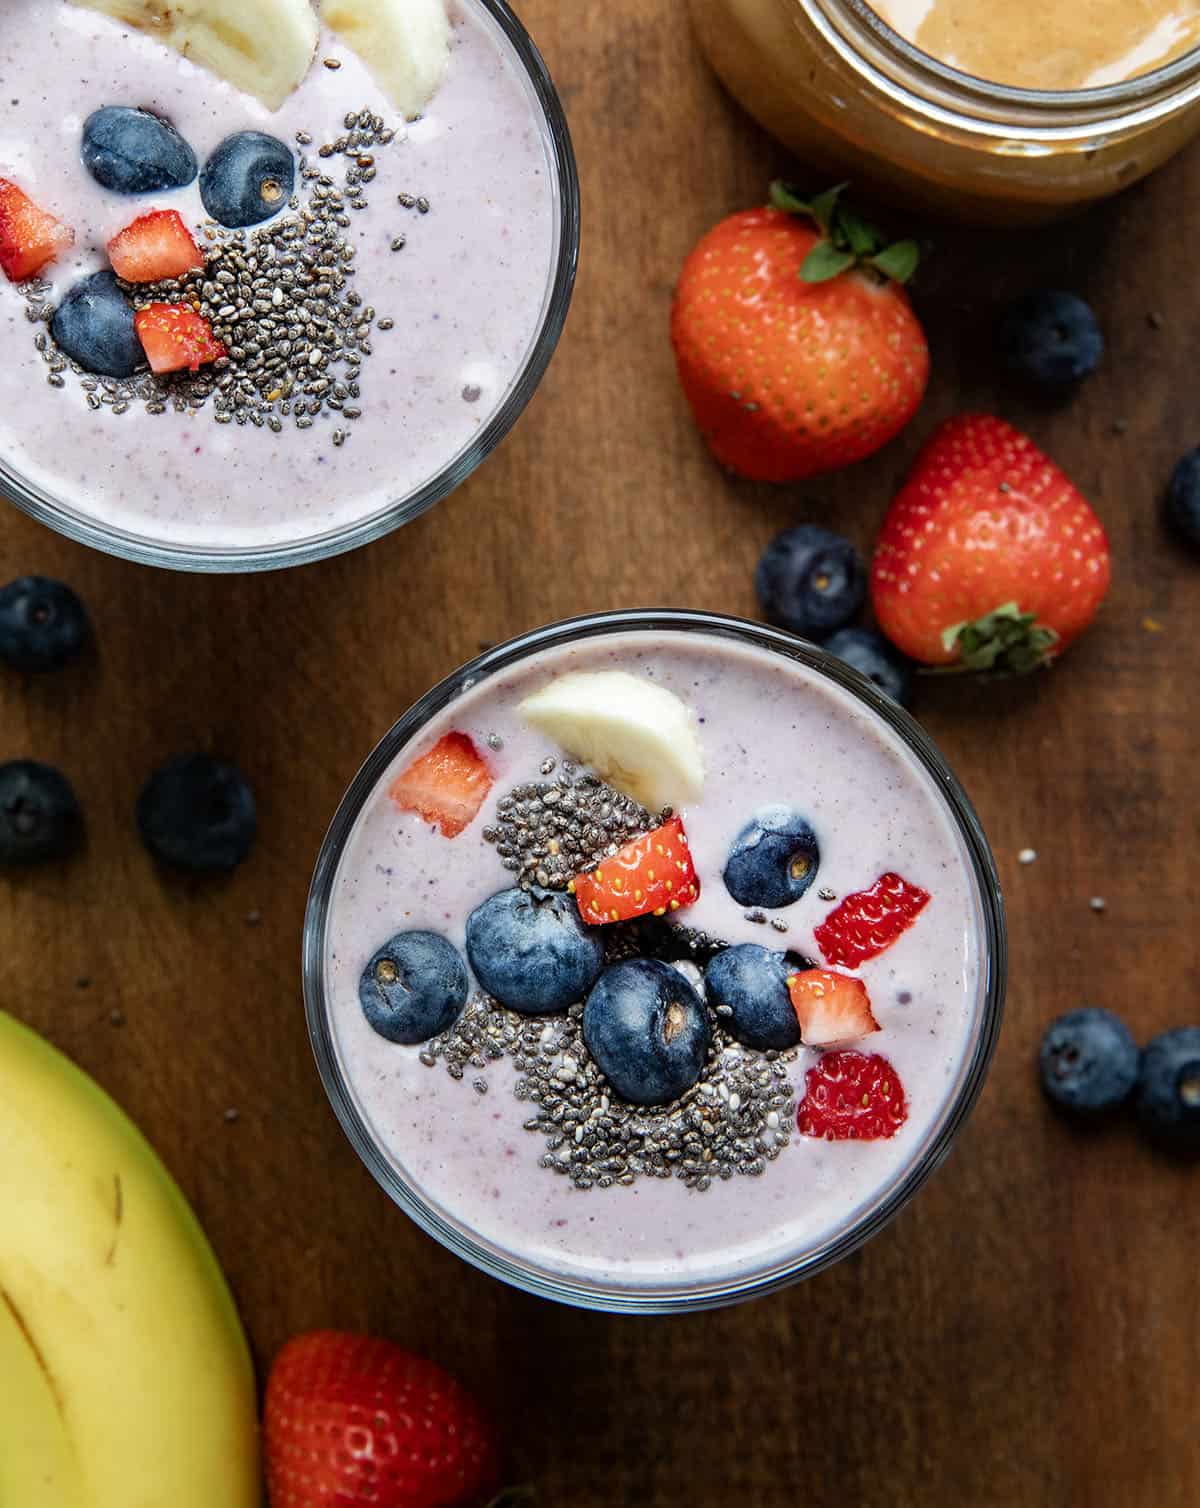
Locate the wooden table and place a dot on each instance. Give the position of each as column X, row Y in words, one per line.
column 1026, row 1332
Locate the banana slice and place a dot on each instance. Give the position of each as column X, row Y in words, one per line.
column 640, row 737
column 405, row 44
column 264, row 47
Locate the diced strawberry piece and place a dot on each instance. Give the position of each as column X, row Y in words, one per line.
column 154, row 247
column 869, row 921
column 652, row 875
column 29, row 237
column 831, row 1008
column 852, row 1096
column 175, row 337
column 447, row 786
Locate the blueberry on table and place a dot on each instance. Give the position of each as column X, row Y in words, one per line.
column 132, row 151
column 1183, row 498
column 414, row 987
column 249, row 178
column 810, row 581
column 94, row 327
column 774, row 859
column 1088, row 1061
column 531, row 951
column 42, row 624
column 647, row 1029
column 873, row 656
column 197, row 813
column 1168, row 1091
column 752, row 982
column 39, row 814
column 1050, row 339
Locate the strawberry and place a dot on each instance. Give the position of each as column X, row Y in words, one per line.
column 652, row 875
column 868, row 922
column 830, row 1007
column 174, row 336
column 796, row 347
column 988, row 559
column 447, row 786
column 852, row 1096
column 29, row 237
column 154, row 247
column 354, row 1422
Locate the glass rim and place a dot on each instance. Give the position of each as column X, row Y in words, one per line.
column 57, row 514
column 627, row 1299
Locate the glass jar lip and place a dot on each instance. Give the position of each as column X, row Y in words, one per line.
column 43, row 506
column 576, row 1291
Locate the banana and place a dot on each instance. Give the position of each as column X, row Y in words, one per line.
column 640, row 737
column 125, row 1380
column 264, row 47
column 405, row 44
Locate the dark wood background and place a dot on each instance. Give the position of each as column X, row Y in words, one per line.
column 1026, row 1333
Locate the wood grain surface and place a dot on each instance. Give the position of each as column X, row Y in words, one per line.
column 1026, row 1332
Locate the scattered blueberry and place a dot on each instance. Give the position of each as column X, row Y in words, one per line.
column 873, row 656
column 647, row 1029
column 42, row 624
column 414, row 987
column 810, row 581
column 1050, row 339
column 1168, row 1095
column 1088, row 1060
column 39, row 814
column 197, row 813
column 134, row 152
column 530, row 950
column 752, row 982
column 1183, row 498
column 94, row 326
column 774, row 859
column 249, row 178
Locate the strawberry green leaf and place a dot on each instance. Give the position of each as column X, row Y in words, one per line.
column 1005, row 640
column 782, row 196
column 861, row 237
column 898, row 261
column 824, row 206
column 825, row 261
column 819, row 208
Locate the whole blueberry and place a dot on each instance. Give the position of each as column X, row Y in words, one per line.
column 134, row 152
column 531, row 951
column 1168, row 1092
column 1183, row 498
column 647, row 1029
column 1050, row 339
column 810, row 581
column 414, row 987
column 198, row 813
column 249, row 178
column 94, row 327
column 1088, row 1060
column 42, row 624
column 774, row 859
column 873, row 656
column 752, row 982
column 39, row 814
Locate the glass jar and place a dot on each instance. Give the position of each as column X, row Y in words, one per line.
column 848, row 94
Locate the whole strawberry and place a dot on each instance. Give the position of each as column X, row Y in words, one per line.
column 354, row 1422
column 796, row 346
column 988, row 559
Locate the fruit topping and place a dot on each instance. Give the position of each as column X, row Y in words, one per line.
column 752, row 983
column 447, row 786
column 131, row 151
column 831, row 1008
column 405, row 44
column 155, row 247
column 40, row 817
column 198, row 813
column 530, row 950
column 810, row 581
column 1050, row 339
column 852, row 1096
column 94, row 326
column 43, row 625
column 867, row 922
column 249, row 178
column 29, row 236
column 1088, row 1060
column 871, row 655
column 647, row 1029
column 1183, row 499
column 652, row 875
column 175, row 338
column 773, row 860
column 1168, row 1091
column 414, row 987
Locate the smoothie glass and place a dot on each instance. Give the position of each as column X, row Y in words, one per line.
column 962, row 1087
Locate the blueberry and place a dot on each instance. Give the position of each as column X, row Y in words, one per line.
column 197, row 813
column 133, row 152
column 530, row 950
column 414, row 987
column 774, row 859
column 39, row 814
column 1050, row 339
column 810, row 581
column 752, row 982
column 248, row 179
column 1088, row 1060
column 94, row 326
column 42, row 624
column 1183, row 498
column 1168, row 1094
column 647, row 1029
column 871, row 654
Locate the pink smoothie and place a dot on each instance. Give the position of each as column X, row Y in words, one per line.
column 466, row 292
column 772, row 731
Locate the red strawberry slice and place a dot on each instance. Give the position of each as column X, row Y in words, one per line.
column 831, row 1008
column 29, row 237
column 852, row 1096
column 175, row 337
column 652, row 875
column 154, row 247
column 869, row 921
column 447, row 786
